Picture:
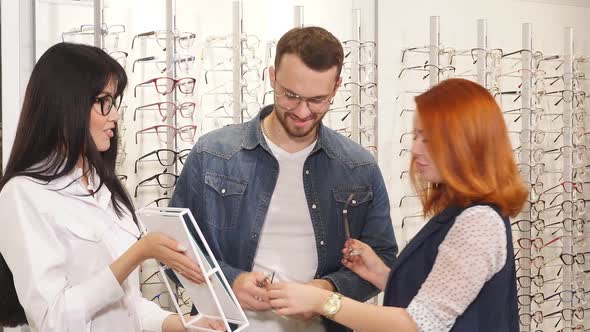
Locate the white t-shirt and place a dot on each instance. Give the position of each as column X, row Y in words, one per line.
column 287, row 243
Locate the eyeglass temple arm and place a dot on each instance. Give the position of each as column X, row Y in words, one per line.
column 345, row 216
column 145, row 34
column 143, row 157
column 144, row 181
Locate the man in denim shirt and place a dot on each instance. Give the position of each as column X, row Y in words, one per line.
column 269, row 194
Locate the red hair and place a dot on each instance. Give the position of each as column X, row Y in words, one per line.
column 468, row 142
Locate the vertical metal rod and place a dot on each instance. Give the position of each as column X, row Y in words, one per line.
column 298, row 16
column 98, row 20
column 526, row 125
column 237, row 63
column 376, row 122
column 434, row 49
column 354, row 59
column 170, row 69
column 18, row 35
column 482, row 46
column 568, row 80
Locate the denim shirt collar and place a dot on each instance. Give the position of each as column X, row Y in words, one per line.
column 254, row 137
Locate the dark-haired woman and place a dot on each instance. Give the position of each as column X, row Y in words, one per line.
column 70, row 245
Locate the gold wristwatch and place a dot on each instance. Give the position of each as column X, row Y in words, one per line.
column 332, row 305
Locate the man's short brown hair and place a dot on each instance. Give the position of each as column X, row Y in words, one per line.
column 315, row 46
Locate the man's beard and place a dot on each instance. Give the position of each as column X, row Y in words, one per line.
column 282, row 117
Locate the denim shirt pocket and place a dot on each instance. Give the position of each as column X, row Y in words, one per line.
column 223, row 199
column 358, row 199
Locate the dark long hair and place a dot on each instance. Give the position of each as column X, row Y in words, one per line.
column 53, row 133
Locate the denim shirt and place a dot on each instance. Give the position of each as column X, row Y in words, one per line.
column 228, row 181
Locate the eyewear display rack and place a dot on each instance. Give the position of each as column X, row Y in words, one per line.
column 543, row 98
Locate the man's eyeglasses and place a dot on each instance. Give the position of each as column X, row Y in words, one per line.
column 107, row 103
column 289, row 101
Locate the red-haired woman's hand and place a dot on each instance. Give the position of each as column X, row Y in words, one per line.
column 365, row 263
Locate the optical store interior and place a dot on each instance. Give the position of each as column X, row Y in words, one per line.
column 194, row 67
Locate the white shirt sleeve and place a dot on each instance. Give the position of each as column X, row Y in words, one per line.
column 37, row 258
column 150, row 314
column 473, row 251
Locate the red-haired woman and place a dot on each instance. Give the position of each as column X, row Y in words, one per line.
column 458, row 272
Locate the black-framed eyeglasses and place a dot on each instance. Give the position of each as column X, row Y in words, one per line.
column 569, row 259
column 524, row 225
column 289, row 100
column 166, row 157
column 568, row 224
column 107, row 103
column 160, row 202
column 539, row 298
column 525, row 281
column 165, row 180
column 568, row 295
column 568, row 314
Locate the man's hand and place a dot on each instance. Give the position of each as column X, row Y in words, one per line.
column 250, row 295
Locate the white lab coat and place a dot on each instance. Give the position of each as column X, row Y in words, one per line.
column 59, row 245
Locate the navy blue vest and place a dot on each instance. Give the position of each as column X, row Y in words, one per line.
column 495, row 309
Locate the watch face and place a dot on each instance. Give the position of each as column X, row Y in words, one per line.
column 332, row 305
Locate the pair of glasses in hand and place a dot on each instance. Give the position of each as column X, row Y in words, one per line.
column 351, row 251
